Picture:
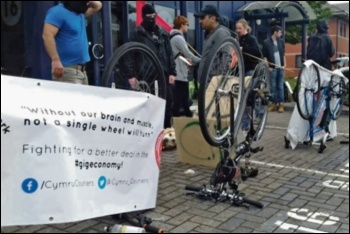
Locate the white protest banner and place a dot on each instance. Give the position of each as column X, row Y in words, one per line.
column 72, row 152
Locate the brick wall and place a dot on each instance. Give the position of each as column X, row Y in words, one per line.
column 341, row 44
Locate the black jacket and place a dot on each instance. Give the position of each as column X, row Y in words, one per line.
column 161, row 47
column 322, row 30
column 250, row 46
column 268, row 53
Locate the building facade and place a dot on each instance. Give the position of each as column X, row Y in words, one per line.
column 338, row 31
column 23, row 52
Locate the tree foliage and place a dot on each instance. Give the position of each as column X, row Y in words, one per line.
column 322, row 11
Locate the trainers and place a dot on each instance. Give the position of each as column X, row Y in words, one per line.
column 281, row 108
column 272, row 108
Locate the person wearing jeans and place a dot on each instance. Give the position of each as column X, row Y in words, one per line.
column 274, row 53
column 277, row 86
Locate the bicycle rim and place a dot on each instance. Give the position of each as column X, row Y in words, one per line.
column 137, row 60
column 261, row 79
column 337, row 90
column 308, row 88
column 222, row 74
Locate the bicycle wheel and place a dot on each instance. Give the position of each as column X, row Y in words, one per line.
column 337, row 90
column 135, row 60
column 308, row 87
column 261, row 94
column 222, row 76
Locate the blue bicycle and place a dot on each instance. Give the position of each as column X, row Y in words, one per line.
column 319, row 97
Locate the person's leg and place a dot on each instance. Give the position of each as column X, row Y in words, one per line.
column 246, row 118
column 177, row 99
column 168, row 107
column 86, row 79
column 249, row 73
column 273, row 84
column 186, row 97
column 73, row 76
column 280, row 90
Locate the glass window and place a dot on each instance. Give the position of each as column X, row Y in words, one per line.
column 167, row 14
column 12, row 38
column 132, row 16
column 298, row 61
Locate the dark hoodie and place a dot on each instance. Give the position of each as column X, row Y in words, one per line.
column 322, row 30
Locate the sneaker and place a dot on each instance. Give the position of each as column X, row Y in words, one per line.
column 281, row 108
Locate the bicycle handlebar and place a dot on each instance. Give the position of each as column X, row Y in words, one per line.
column 341, row 61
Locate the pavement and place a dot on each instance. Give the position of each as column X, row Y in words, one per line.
column 302, row 191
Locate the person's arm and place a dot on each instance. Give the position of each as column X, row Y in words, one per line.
column 94, row 6
column 253, row 47
column 265, row 49
column 284, row 55
column 181, row 44
column 49, row 33
column 331, row 48
column 169, row 51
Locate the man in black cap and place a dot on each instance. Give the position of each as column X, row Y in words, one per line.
column 157, row 39
column 209, row 19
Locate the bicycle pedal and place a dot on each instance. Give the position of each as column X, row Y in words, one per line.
column 256, row 150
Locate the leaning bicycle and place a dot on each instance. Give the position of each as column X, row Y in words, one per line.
column 225, row 97
column 135, row 60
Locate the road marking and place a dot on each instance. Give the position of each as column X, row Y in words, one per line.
column 280, row 128
column 317, row 217
column 345, row 170
column 300, row 169
column 287, row 226
column 335, row 184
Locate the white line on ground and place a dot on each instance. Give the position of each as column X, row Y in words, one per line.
column 300, row 169
column 280, row 128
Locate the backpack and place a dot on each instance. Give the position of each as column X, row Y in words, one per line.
column 316, row 49
column 171, row 37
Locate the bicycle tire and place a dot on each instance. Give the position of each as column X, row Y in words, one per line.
column 261, row 81
column 308, row 86
column 336, row 102
column 221, row 75
column 125, row 63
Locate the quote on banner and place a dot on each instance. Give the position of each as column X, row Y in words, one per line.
column 72, row 152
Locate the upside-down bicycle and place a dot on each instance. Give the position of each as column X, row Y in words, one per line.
column 319, row 98
column 225, row 96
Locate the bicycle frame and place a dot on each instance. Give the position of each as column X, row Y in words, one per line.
column 325, row 102
column 320, row 123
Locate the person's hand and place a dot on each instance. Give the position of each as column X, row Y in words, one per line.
column 57, row 68
column 133, row 82
column 171, row 79
column 92, row 4
column 271, row 69
column 190, row 61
